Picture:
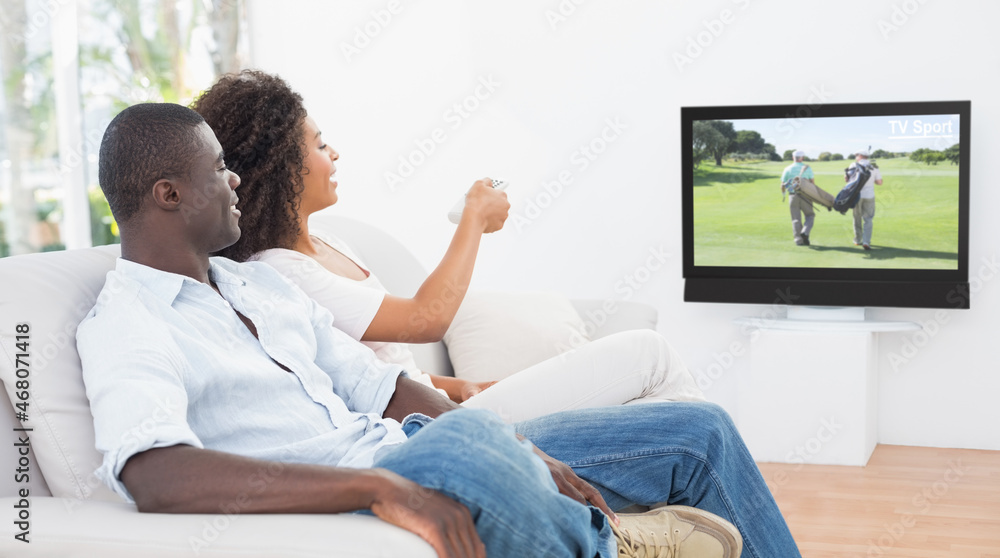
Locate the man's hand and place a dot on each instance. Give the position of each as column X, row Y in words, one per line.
column 444, row 523
column 573, row 486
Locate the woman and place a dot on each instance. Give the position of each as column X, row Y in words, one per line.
column 288, row 173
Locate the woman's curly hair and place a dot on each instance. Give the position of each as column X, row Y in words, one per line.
column 258, row 119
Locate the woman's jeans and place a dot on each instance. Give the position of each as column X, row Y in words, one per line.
column 677, row 453
column 634, row 366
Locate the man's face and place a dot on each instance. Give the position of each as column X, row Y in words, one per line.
column 208, row 204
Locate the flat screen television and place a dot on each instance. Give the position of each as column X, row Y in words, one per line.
column 740, row 244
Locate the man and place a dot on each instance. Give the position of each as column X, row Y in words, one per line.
column 798, row 205
column 864, row 211
column 202, row 371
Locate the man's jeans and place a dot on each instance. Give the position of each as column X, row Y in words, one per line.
column 681, row 453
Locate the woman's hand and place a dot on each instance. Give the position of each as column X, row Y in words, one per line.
column 487, row 205
column 459, row 390
column 427, row 315
column 474, row 388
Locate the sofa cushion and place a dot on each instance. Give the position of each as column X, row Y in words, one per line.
column 51, row 293
column 496, row 334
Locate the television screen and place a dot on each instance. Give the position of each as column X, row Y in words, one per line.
column 847, row 205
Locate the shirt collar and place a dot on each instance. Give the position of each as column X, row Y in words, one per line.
column 219, row 271
column 166, row 285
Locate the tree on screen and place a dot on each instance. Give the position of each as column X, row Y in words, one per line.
column 707, row 141
column 930, row 156
column 952, row 153
column 720, row 149
column 748, row 141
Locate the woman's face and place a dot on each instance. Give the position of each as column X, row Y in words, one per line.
column 318, row 172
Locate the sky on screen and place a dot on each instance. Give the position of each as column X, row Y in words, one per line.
column 847, row 135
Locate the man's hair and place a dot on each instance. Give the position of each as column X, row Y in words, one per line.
column 259, row 121
column 143, row 144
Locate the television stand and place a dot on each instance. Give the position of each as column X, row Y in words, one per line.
column 811, row 395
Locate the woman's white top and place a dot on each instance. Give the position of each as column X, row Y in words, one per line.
column 352, row 303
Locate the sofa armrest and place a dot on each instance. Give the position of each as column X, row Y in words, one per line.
column 67, row 528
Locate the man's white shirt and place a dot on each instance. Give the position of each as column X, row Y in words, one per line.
column 167, row 361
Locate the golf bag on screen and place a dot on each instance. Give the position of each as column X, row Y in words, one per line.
column 806, row 188
column 857, row 177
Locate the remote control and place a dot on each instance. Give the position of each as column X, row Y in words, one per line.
column 455, row 215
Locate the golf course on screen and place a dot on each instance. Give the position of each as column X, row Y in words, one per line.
column 740, row 218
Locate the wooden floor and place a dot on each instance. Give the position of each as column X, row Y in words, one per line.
column 907, row 502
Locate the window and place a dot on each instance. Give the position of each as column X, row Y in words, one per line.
column 68, row 67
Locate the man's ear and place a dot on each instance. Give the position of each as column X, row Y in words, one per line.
column 166, row 194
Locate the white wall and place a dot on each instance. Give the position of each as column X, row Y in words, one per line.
column 557, row 87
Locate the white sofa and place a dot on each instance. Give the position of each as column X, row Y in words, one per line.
column 70, row 514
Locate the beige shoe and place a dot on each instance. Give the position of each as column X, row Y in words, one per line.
column 676, row 532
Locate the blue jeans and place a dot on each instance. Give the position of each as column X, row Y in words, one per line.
column 681, row 453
